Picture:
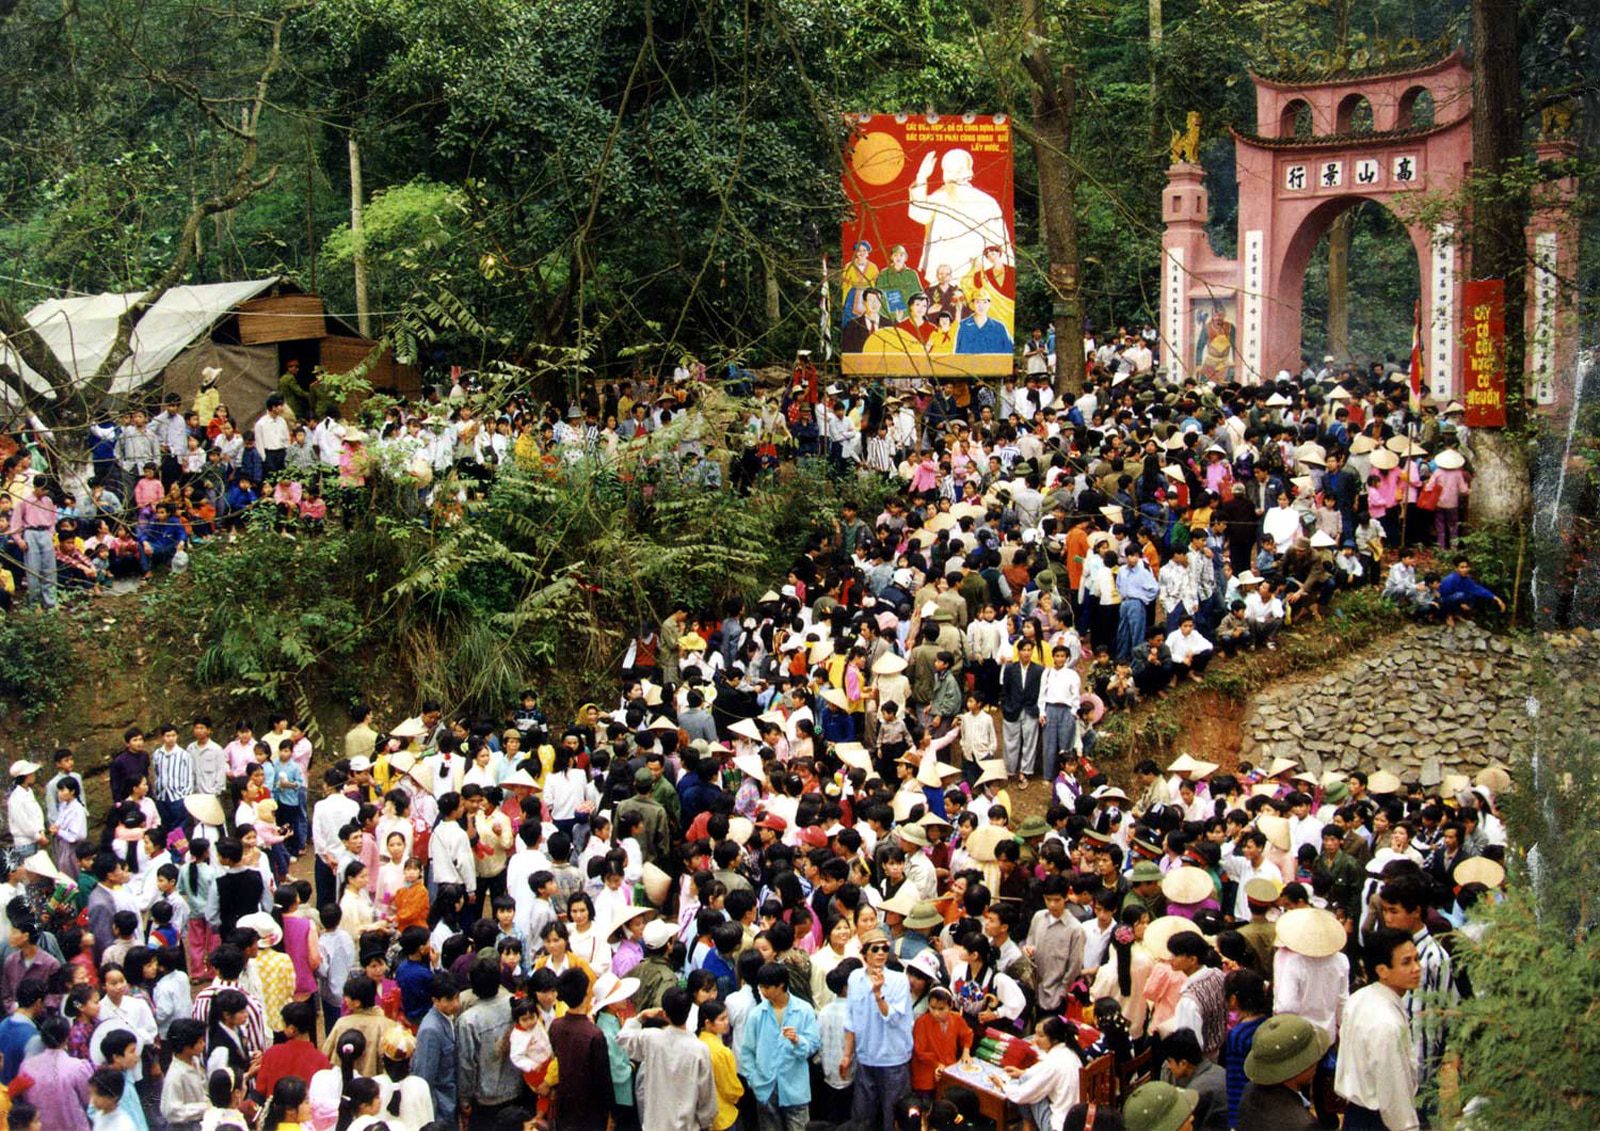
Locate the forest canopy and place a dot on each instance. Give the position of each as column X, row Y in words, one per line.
column 644, row 178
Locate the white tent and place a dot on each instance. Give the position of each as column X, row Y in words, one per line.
column 79, row 330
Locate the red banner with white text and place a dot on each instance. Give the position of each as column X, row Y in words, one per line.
column 1483, row 353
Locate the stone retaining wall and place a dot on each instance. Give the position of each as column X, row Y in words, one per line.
column 1428, row 701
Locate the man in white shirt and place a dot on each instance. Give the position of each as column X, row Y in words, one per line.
column 1060, row 693
column 1190, row 651
column 1180, row 591
column 1247, row 863
column 272, row 436
column 450, row 851
column 920, row 872
column 1314, row 988
column 328, row 816
column 1377, row 1071
column 328, row 439
column 1263, row 612
column 528, row 858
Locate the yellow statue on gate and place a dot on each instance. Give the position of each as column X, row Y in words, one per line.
column 1186, row 145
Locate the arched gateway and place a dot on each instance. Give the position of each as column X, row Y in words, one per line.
column 1319, row 149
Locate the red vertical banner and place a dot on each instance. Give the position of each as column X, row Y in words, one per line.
column 928, row 286
column 1483, row 352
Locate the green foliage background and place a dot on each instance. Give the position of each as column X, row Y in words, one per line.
column 1527, row 1039
column 540, row 584
column 37, row 660
column 637, row 173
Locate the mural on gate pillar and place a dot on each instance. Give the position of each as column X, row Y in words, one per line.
column 1319, row 148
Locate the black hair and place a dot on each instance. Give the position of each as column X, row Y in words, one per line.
column 1182, row 1045
column 55, row 1029
column 109, row 1082
column 119, row 1041
column 1380, row 947
column 676, row 1003
column 358, row 1092
column 31, row 992
column 484, row 979
column 287, row 1096
column 302, row 1015
column 443, row 986
column 1249, row 989
column 362, row 990
column 572, row 987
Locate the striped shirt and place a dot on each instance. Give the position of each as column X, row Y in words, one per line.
column 1426, row 1005
column 171, row 773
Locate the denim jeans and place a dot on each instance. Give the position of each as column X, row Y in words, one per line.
column 40, row 559
column 771, row 1117
column 878, row 1089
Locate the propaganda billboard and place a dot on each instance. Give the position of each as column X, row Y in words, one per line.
column 928, row 286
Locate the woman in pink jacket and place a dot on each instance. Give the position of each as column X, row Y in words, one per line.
column 1454, row 486
column 1383, row 493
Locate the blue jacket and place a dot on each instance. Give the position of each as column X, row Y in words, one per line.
column 414, row 979
column 769, row 1059
column 1456, row 590
column 239, row 499
column 166, row 535
column 17, row 1032
column 251, row 465
column 435, row 1061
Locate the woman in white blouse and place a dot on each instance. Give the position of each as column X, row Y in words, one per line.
column 586, row 937
column 567, row 792
column 23, row 808
column 1126, row 969
column 1282, row 521
column 1049, row 1087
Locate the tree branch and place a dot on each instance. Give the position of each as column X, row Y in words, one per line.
column 25, row 340
column 242, row 185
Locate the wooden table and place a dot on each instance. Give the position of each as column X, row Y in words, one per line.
column 986, row 1082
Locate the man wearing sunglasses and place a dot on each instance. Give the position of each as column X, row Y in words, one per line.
column 877, row 1033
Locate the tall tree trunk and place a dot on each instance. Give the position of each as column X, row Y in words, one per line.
column 1498, row 249
column 1154, row 47
column 1339, row 284
column 1339, row 234
column 357, row 239
column 1058, row 191
column 311, row 207
column 1053, row 94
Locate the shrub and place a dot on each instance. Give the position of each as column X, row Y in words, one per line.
column 37, row 661
column 1525, row 1045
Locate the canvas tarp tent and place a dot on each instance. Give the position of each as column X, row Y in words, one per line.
column 80, row 329
column 249, row 376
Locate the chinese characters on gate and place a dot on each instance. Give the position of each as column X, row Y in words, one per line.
column 1366, row 173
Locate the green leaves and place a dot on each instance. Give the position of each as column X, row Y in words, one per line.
column 37, row 659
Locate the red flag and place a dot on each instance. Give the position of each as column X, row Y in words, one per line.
column 1416, row 357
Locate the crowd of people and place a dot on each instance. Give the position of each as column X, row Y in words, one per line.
column 837, row 856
